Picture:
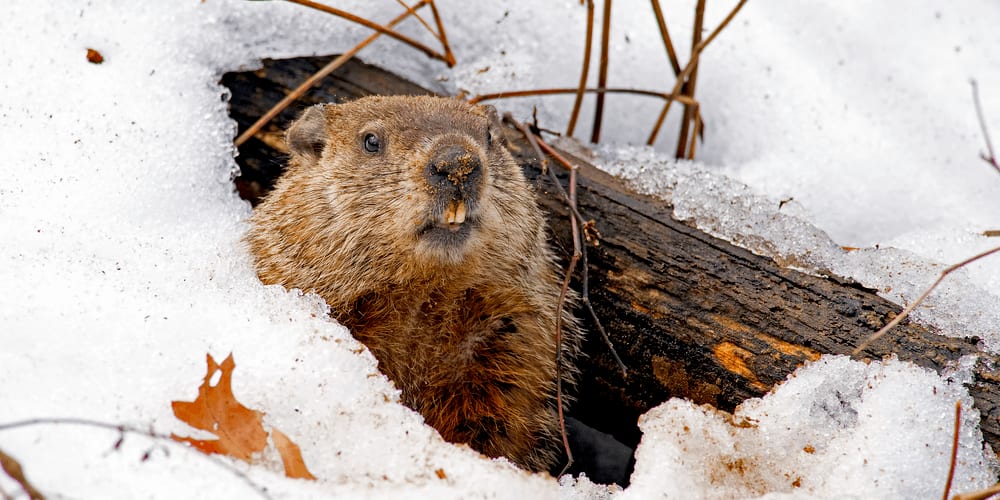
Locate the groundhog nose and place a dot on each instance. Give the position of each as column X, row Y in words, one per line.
column 454, row 164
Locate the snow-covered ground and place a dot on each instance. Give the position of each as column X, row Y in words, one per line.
column 121, row 263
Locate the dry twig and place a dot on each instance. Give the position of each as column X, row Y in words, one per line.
column 566, row 90
column 895, row 321
column 122, row 430
column 585, row 279
column 346, row 56
column 989, row 156
column 602, row 71
column 577, row 222
column 584, row 71
column 691, row 66
column 954, row 449
column 979, row 495
column 688, row 86
column 385, row 30
column 661, row 23
column 693, row 121
column 562, row 294
column 570, row 199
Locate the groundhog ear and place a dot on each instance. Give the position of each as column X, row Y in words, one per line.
column 307, row 135
column 491, row 114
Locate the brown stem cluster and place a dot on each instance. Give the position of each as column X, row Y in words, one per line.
column 379, row 29
column 692, row 125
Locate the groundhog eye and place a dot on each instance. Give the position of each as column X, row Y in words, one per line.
column 372, row 144
column 489, row 139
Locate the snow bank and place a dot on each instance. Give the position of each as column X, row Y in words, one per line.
column 121, row 263
column 836, row 429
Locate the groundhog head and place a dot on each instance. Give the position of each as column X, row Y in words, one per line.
column 408, row 185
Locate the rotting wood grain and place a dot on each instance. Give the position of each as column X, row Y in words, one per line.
column 691, row 315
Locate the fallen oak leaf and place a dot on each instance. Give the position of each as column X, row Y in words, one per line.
column 13, row 469
column 291, row 456
column 240, row 430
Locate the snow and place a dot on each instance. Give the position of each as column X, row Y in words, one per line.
column 836, row 429
column 121, row 263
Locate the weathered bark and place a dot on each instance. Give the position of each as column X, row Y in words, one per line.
column 691, row 315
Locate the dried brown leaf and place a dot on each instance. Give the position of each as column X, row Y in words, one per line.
column 240, row 429
column 291, row 456
column 13, row 469
column 94, row 57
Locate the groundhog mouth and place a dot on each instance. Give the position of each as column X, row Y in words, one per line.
column 450, row 228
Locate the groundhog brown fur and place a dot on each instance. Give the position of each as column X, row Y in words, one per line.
column 411, row 219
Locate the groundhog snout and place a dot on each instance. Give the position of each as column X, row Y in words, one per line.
column 454, row 173
column 454, row 167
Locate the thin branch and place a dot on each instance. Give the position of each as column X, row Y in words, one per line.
column 695, row 55
column 954, row 449
column 570, row 200
column 385, row 30
column 696, row 130
column 416, row 15
column 313, row 80
column 579, row 254
column 585, row 71
column 562, row 296
column 661, row 23
column 577, row 251
column 602, row 72
column 989, row 157
column 920, row 299
column 585, row 288
column 262, row 491
column 567, row 90
column 449, row 57
column 689, row 86
column 979, row 495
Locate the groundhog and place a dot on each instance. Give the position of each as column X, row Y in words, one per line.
column 411, row 219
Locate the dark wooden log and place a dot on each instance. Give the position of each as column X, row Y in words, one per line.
column 691, row 315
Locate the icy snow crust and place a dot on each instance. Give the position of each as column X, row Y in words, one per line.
column 121, row 264
column 964, row 304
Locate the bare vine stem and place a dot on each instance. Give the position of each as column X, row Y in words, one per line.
column 416, row 15
column 661, row 23
column 691, row 65
column 313, row 80
column 585, row 279
column 562, row 296
column 332, row 66
column 579, row 254
column 602, row 71
column 385, row 30
column 688, row 87
column 989, row 156
column 584, row 70
column 567, row 90
column 122, row 430
column 979, row 495
column 954, row 449
column 450, row 58
column 538, row 144
column 913, row 305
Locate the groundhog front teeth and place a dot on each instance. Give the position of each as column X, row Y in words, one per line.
column 456, row 213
